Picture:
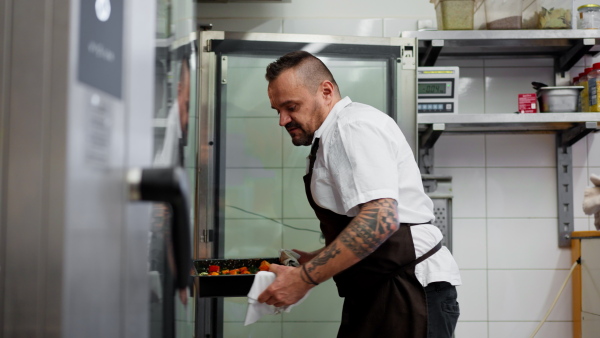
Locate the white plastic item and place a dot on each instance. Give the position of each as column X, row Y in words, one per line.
column 503, row 14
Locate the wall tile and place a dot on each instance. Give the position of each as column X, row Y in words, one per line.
column 471, row 91
column 469, row 242
column 520, row 150
column 301, row 238
column 294, row 156
column 246, row 25
column 454, row 150
column 335, row 26
column 393, row 27
column 312, row 330
column 236, row 330
column 473, row 295
column 521, row 192
column 468, row 188
column 471, row 329
column 295, row 202
column 593, row 150
column 510, row 243
column 251, row 238
column 253, row 143
column 504, row 84
column 526, row 295
column 525, row 329
column 323, row 304
column 583, row 224
column 247, row 88
column 580, row 152
column 581, row 180
column 254, row 191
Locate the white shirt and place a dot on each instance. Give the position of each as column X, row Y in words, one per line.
column 364, row 156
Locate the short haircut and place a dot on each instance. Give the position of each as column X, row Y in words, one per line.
column 312, row 70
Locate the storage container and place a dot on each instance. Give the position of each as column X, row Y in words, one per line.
column 454, row 14
column 546, row 14
column 479, row 20
column 503, row 14
column 594, row 88
column 558, row 99
column 588, row 16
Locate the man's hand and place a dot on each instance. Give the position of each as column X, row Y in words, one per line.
column 288, row 287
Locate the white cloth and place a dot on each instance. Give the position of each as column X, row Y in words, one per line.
column 255, row 309
column 591, row 200
column 364, row 156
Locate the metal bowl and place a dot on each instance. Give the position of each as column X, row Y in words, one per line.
column 559, row 99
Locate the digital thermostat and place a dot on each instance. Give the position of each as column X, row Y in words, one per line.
column 437, row 89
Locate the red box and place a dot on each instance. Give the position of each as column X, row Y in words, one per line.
column 527, row 103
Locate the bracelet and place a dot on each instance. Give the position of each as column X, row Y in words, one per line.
column 312, row 281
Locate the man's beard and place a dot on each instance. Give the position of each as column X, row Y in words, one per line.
column 304, row 139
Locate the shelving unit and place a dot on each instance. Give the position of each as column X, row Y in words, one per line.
column 566, row 47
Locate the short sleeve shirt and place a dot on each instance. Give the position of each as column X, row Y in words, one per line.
column 364, row 156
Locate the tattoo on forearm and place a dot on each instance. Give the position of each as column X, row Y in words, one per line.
column 371, row 227
column 322, row 258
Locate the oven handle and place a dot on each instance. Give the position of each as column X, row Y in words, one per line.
column 169, row 185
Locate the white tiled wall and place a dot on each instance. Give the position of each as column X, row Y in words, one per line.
column 504, row 186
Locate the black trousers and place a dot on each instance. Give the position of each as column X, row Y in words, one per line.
column 442, row 309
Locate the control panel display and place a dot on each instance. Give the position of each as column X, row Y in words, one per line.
column 436, row 90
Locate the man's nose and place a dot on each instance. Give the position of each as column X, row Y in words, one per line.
column 284, row 119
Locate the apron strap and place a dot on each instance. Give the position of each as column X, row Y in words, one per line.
column 428, row 254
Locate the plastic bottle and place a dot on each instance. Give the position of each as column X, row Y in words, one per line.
column 585, row 102
column 593, row 85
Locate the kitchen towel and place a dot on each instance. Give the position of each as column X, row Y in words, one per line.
column 591, row 200
column 255, row 309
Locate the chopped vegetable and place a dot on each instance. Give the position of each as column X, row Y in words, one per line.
column 214, row 268
column 264, row 266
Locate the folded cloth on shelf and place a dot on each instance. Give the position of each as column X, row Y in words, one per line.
column 591, row 200
column 255, row 309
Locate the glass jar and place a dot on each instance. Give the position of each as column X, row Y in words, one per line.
column 589, row 17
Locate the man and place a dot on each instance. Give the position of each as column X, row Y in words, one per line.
column 366, row 190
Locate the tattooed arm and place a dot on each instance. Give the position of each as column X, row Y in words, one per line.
column 374, row 224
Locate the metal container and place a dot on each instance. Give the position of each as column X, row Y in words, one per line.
column 559, row 99
column 227, row 285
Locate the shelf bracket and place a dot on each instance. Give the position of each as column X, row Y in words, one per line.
column 426, row 142
column 564, row 178
column 570, row 58
column 432, row 51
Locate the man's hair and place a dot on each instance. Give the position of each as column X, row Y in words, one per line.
column 312, row 70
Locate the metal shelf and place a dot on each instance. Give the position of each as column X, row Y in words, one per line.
column 565, row 46
column 568, row 127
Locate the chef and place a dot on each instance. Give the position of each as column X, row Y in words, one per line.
column 364, row 185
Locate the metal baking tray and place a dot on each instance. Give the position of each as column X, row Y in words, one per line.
column 227, row 285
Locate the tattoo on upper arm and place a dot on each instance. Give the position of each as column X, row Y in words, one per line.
column 371, row 227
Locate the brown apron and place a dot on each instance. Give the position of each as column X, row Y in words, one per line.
column 383, row 297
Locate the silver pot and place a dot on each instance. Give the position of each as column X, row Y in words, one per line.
column 559, row 99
